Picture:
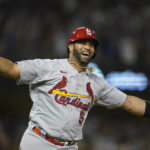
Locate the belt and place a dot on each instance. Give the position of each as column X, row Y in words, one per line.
column 50, row 139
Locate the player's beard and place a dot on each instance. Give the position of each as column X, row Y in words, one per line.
column 78, row 56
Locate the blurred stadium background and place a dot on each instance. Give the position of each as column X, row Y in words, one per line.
column 40, row 29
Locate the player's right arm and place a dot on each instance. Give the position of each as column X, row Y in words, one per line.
column 9, row 69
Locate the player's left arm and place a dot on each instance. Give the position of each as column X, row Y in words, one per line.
column 136, row 106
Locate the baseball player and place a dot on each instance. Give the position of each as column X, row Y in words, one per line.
column 63, row 91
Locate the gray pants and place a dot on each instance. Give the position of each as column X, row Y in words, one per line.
column 32, row 141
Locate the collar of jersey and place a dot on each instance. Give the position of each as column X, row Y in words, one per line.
column 74, row 71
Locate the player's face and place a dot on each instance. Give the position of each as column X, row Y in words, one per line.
column 83, row 51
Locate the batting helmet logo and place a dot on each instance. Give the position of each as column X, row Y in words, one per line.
column 88, row 31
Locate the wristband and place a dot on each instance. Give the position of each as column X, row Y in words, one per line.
column 147, row 109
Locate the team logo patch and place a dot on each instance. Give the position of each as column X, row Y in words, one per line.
column 66, row 98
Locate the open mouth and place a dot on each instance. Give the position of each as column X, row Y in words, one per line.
column 85, row 54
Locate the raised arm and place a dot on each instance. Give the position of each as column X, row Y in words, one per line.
column 9, row 69
column 135, row 105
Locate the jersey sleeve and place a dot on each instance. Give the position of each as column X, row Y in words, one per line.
column 110, row 96
column 32, row 71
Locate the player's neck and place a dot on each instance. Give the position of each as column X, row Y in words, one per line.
column 78, row 67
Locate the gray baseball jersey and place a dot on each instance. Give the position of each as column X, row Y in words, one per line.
column 62, row 97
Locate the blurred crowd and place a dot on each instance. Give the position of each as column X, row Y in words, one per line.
column 40, row 29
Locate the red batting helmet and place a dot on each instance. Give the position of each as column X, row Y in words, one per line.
column 83, row 33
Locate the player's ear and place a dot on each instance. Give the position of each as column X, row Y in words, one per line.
column 70, row 47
